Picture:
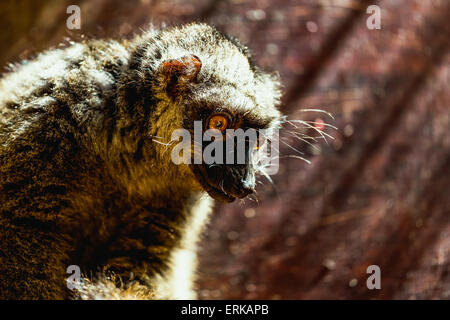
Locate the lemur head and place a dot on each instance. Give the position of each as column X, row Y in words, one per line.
column 195, row 73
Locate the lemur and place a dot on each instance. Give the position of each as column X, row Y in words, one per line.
column 86, row 177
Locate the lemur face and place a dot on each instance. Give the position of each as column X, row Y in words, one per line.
column 232, row 174
column 228, row 112
column 214, row 83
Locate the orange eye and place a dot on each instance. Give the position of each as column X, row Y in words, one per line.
column 218, row 122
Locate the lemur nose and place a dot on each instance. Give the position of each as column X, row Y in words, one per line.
column 248, row 187
column 247, row 191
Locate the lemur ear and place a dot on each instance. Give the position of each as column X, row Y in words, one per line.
column 177, row 73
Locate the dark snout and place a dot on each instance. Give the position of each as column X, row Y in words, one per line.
column 226, row 182
column 241, row 180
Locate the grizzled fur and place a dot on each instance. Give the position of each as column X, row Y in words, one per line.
column 86, row 176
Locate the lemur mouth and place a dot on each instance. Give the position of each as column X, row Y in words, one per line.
column 216, row 193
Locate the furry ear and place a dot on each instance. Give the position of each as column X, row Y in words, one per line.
column 177, row 73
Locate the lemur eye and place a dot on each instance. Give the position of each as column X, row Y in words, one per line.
column 219, row 122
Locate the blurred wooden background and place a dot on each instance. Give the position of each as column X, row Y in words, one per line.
column 378, row 194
